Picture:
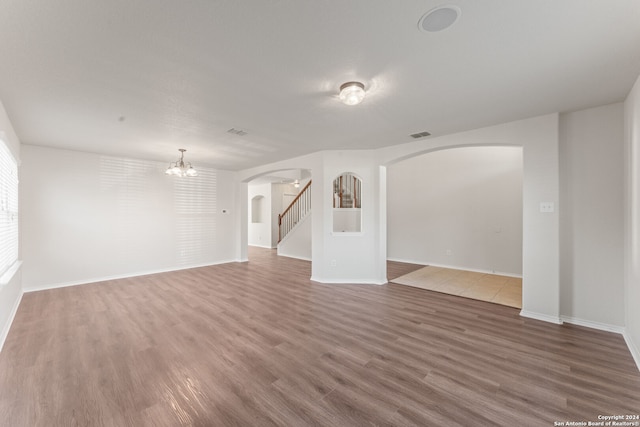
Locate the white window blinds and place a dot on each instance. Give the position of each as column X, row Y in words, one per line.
column 8, row 209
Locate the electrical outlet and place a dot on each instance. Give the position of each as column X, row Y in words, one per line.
column 334, row 263
column 547, row 207
column 448, row 252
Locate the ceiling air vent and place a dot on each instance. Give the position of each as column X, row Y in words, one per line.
column 237, row 132
column 419, row 135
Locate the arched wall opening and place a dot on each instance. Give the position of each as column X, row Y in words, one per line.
column 458, row 208
column 538, row 137
column 268, row 195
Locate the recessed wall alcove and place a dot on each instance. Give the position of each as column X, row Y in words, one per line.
column 347, row 203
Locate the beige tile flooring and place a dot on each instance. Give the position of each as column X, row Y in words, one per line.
column 481, row 286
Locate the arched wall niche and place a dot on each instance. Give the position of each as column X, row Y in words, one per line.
column 347, row 203
column 256, row 209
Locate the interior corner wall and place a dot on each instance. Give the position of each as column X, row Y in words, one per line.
column 11, row 292
column 459, row 208
column 88, row 217
column 632, row 220
column 260, row 230
column 591, row 216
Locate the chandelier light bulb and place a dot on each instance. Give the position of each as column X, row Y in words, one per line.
column 180, row 168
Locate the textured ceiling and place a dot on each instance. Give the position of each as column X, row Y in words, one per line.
column 142, row 78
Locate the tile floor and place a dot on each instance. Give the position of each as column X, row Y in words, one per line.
column 481, row 286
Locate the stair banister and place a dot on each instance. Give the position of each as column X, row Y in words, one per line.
column 296, row 210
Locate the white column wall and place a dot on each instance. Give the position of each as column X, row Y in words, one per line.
column 632, row 220
column 351, row 257
column 591, row 218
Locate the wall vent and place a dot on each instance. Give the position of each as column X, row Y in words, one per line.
column 237, row 132
column 419, row 135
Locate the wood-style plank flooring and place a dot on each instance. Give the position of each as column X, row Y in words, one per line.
column 258, row 344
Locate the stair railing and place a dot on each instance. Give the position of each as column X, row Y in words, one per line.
column 347, row 191
column 296, row 210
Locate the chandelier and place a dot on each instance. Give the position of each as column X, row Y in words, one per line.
column 180, row 168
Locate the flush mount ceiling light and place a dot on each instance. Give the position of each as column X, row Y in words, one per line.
column 180, row 168
column 352, row 93
column 439, row 18
column 296, row 183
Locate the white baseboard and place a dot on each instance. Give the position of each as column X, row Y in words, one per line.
column 261, row 246
column 593, row 325
column 28, row 288
column 347, row 281
column 12, row 315
column 408, row 261
column 295, row 257
column 541, row 316
column 456, row 267
column 635, row 352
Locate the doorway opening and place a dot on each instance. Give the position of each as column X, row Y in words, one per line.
column 458, row 213
column 269, row 196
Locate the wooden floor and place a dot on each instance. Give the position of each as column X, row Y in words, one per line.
column 258, row 344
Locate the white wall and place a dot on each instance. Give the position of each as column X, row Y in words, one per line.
column 260, row 232
column 632, row 220
column 591, row 217
column 11, row 292
column 350, row 257
column 459, row 208
column 87, row 217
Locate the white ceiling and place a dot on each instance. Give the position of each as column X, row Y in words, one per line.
column 142, row 78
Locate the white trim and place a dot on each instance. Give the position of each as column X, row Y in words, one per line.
column 542, row 317
column 8, row 275
column 455, row 267
column 408, row 261
column 28, row 289
column 261, row 246
column 295, row 257
column 593, row 325
column 7, row 326
column 348, row 281
column 635, row 352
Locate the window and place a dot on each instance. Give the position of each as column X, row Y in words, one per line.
column 8, row 209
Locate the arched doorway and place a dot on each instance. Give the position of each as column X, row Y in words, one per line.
column 459, row 210
column 269, row 195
